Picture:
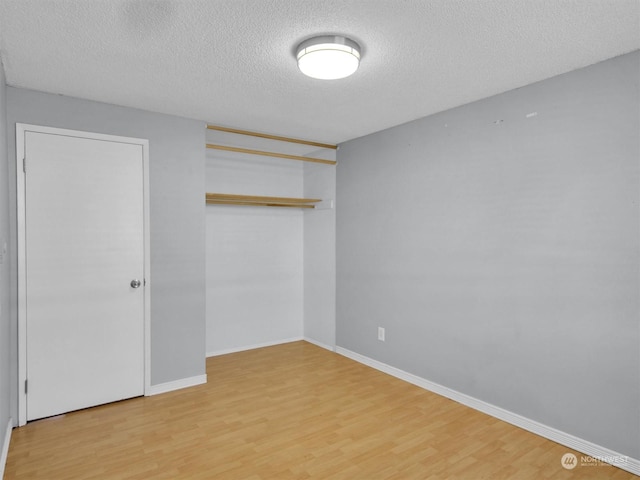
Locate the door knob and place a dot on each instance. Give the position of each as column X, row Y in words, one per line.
column 135, row 283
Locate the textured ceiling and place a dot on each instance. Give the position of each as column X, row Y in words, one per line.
column 232, row 62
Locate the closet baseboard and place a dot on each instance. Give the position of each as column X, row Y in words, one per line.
column 320, row 344
column 226, row 351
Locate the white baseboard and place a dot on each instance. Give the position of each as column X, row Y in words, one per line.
column 176, row 385
column 320, row 344
column 5, row 447
column 225, row 351
column 604, row 454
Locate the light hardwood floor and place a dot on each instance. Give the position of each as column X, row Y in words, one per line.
column 292, row 411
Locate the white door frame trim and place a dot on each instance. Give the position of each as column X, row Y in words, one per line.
column 21, row 129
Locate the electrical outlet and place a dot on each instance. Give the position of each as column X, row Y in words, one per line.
column 381, row 334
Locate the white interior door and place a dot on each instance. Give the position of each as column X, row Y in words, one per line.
column 84, row 252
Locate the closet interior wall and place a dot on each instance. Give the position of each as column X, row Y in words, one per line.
column 270, row 271
column 320, row 253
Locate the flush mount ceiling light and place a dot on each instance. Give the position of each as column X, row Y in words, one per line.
column 328, row 57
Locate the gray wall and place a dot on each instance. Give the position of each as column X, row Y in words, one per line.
column 5, row 383
column 176, row 178
column 501, row 251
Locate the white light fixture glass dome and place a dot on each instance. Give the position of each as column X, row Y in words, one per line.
column 328, row 57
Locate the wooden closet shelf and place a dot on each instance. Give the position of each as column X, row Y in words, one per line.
column 261, row 201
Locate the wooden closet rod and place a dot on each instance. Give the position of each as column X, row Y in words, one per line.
column 258, row 204
column 271, row 154
column 256, row 198
column 271, row 137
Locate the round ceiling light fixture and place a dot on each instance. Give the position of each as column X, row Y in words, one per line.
column 328, row 57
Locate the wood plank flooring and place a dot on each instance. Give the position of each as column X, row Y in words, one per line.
column 292, row 411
